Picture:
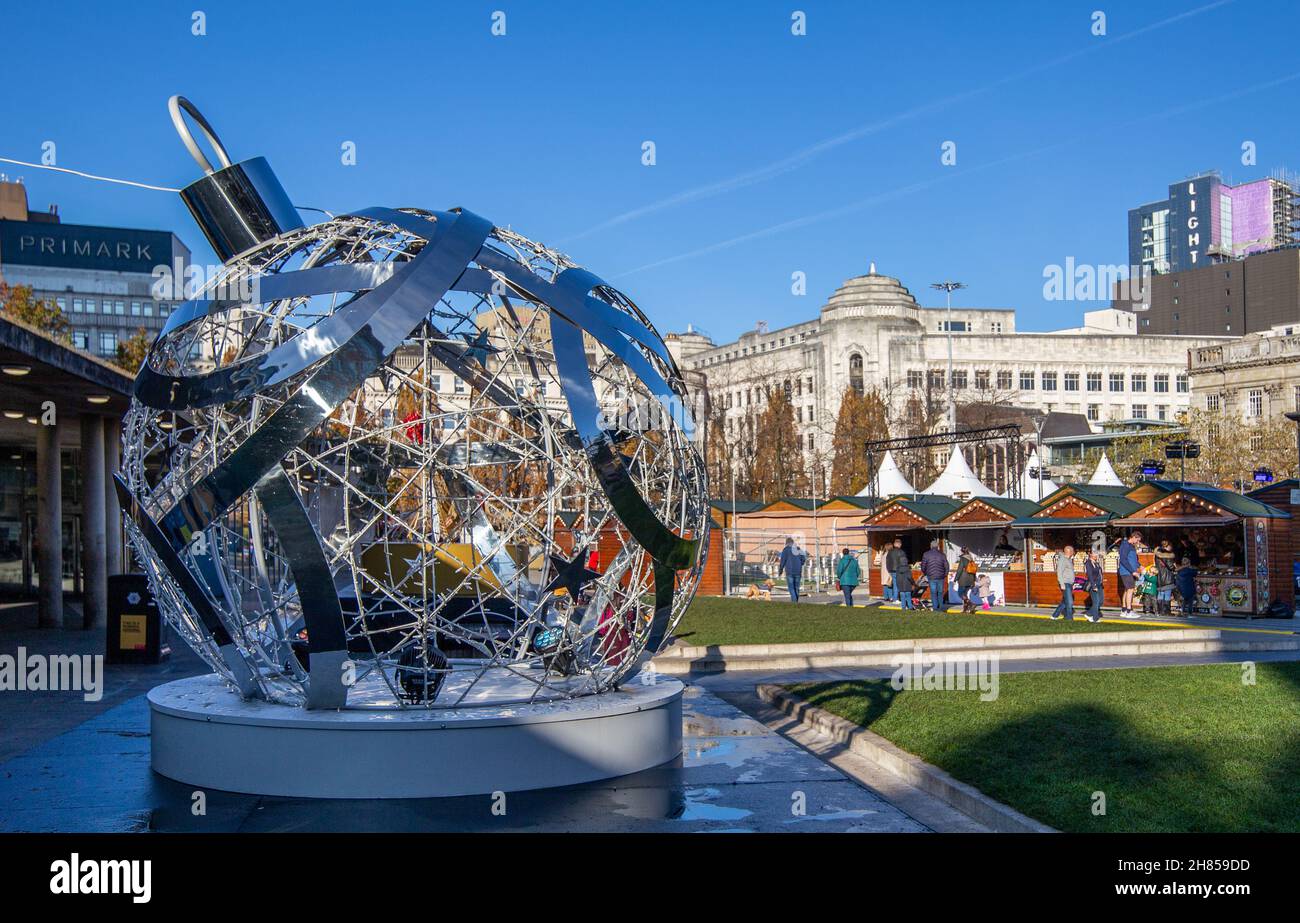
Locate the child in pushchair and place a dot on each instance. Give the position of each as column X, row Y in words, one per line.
column 920, row 595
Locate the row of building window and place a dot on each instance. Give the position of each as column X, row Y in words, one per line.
column 83, row 305
column 774, row 343
column 1048, row 381
column 794, row 387
column 1254, row 402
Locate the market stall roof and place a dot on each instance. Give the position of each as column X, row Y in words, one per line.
column 1068, row 509
column 1200, row 505
column 846, row 501
column 1029, row 486
column 983, row 512
column 1284, row 484
column 1078, row 489
column 1105, row 474
column 918, row 511
column 739, row 506
column 957, row 480
column 889, row 479
column 807, row 504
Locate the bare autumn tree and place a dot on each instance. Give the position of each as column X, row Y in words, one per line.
column 778, row 457
column 718, row 457
column 1231, row 450
column 17, row 302
column 862, row 418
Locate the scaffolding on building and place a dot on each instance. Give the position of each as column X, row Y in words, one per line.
column 1000, row 466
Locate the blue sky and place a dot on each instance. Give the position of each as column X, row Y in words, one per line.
column 775, row 153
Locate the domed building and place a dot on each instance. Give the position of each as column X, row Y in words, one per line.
column 872, row 333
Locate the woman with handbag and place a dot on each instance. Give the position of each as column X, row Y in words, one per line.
column 847, row 574
column 967, row 570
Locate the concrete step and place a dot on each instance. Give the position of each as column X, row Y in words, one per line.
column 692, row 652
column 681, row 659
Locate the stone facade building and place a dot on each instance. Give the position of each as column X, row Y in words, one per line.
column 872, row 333
column 1254, row 378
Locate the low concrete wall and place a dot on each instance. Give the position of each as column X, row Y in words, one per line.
column 683, row 659
column 916, row 772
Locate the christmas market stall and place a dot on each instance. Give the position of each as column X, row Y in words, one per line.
column 913, row 518
column 1080, row 515
column 984, row 526
column 1239, row 546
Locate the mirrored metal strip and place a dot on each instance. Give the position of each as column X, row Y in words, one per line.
column 629, row 505
column 323, row 280
column 405, row 301
column 573, row 285
column 590, row 310
column 665, row 583
column 568, row 298
column 233, row 382
column 319, row 280
column 322, row 615
column 170, row 559
column 230, row 383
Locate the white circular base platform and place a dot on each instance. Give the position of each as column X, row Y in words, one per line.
column 205, row 735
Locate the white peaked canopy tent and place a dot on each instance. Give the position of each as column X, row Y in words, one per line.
column 1105, row 474
column 1029, row 485
column 889, row 479
column 958, row 480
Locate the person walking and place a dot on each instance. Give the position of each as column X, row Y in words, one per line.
column 1094, row 577
column 1065, row 577
column 934, row 567
column 1128, row 571
column 791, row 564
column 887, row 591
column 901, row 568
column 848, row 573
column 966, row 573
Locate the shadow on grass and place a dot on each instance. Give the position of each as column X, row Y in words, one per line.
column 1062, row 765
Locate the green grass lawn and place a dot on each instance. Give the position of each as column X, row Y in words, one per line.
column 719, row 620
column 1173, row 748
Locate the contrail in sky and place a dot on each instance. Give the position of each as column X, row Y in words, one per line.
column 799, row 158
column 946, row 175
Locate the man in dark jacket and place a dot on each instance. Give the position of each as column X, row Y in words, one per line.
column 1094, row 576
column 897, row 563
column 934, row 566
column 791, row 564
column 1186, row 580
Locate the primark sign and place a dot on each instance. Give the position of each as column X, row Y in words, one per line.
column 73, row 246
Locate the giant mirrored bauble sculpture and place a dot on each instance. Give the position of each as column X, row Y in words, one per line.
column 408, row 459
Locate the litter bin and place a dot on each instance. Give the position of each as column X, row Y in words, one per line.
column 136, row 631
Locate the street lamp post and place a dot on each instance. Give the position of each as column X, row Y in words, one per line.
column 948, row 287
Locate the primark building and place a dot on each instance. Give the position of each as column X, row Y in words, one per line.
column 61, row 402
